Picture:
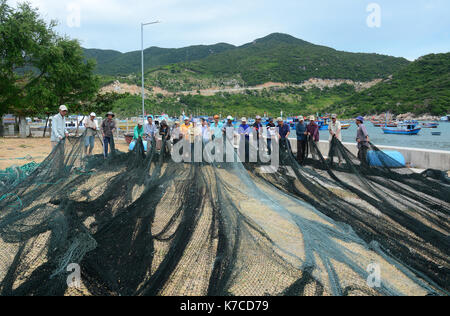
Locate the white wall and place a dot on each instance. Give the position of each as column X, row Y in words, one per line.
column 415, row 157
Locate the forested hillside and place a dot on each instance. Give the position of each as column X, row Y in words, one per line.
column 421, row 87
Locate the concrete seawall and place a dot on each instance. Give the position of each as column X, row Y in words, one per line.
column 415, row 157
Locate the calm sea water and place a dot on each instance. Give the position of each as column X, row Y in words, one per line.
column 423, row 140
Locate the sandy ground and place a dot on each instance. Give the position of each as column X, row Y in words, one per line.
column 19, row 151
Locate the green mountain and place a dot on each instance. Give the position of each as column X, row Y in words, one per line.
column 277, row 57
column 283, row 58
column 114, row 63
column 421, row 87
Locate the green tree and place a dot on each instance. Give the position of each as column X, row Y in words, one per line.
column 40, row 70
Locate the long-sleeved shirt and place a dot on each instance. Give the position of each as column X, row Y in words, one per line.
column 138, row 132
column 313, row 129
column 228, row 130
column 206, row 133
column 58, row 128
column 91, row 127
column 336, row 129
column 164, row 131
column 150, row 130
column 108, row 127
column 284, row 130
column 244, row 130
column 271, row 130
column 216, row 129
column 184, row 130
column 362, row 135
column 300, row 130
column 258, row 128
column 176, row 133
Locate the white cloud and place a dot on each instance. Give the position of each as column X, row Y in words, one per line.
column 114, row 24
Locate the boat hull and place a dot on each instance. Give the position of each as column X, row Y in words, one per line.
column 401, row 132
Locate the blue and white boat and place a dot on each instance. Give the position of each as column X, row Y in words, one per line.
column 445, row 118
column 408, row 129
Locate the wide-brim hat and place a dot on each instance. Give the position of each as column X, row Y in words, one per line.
column 110, row 113
column 360, row 118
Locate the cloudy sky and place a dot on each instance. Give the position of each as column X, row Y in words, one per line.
column 407, row 28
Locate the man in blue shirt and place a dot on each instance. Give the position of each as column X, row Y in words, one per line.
column 283, row 129
column 300, row 129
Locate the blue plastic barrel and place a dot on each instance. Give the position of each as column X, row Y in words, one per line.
column 133, row 144
column 388, row 158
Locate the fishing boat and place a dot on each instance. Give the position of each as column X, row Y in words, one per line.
column 392, row 124
column 430, row 125
column 445, row 118
column 345, row 126
column 378, row 123
column 323, row 125
column 411, row 129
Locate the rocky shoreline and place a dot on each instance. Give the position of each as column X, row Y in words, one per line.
column 403, row 117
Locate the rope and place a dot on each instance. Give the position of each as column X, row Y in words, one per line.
column 27, row 157
column 18, row 205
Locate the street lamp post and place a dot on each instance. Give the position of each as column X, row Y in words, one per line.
column 142, row 56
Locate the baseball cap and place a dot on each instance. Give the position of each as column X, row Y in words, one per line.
column 63, row 108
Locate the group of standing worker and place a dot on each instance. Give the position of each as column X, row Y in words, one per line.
column 108, row 127
column 192, row 130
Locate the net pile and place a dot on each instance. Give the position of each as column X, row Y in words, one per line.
column 141, row 224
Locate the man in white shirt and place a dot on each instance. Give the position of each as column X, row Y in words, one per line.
column 91, row 131
column 59, row 131
column 150, row 129
column 335, row 130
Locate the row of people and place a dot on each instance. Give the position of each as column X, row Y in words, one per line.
column 189, row 130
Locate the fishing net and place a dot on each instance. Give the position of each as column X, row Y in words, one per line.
column 139, row 223
column 403, row 214
column 12, row 176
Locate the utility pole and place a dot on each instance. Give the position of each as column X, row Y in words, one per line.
column 142, row 62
